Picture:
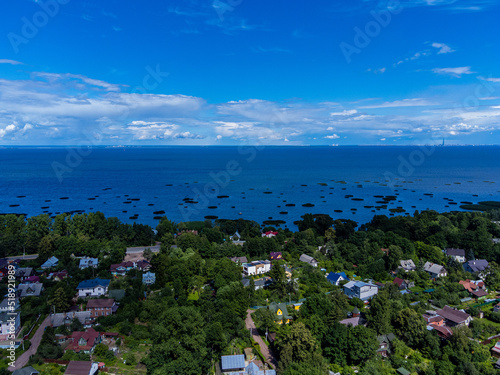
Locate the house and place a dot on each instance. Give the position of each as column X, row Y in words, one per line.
column 8, row 304
column 81, row 368
column 457, row 254
column 58, row 276
column 435, row 270
column 23, row 273
column 51, row 262
column 101, row 307
column 443, row 332
column 261, row 283
column 476, row 266
column 88, row 262
column 403, row 284
column 231, row 363
column 496, row 308
column 93, row 288
column 239, row 260
column 29, row 290
column 148, row 278
column 276, row 255
column 10, row 324
column 26, row 371
column 384, row 344
column 122, row 268
column 253, row 369
column 468, row 285
column 143, row 265
column 336, row 278
column 431, row 317
column 256, row 267
column 280, row 313
column 60, row 319
column 84, row 341
column 454, row 317
column 495, row 351
column 354, row 321
column 407, row 265
column 297, row 306
column 309, row 260
column 270, row 234
column 236, row 239
column 479, row 294
column 360, row 289
column 32, row 280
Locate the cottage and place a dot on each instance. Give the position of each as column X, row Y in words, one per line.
column 454, row 317
column 309, row 260
column 431, row 317
column 148, row 278
column 256, row 267
column 495, row 351
column 270, row 234
column 253, row 369
column 231, row 363
column 479, row 294
column 435, row 270
column 280, row 313
column 360, row 289
column 143, row 265
column 26, row 371
column 236, row 239
column 84, row 341
column 384, row 344
column 354, row 321
column 457, row 254
column 101, row 307
column 468, row 285
column 403, row 284
column 81, row 368
column 407, row 265
column 476, row 266
column 10, row 324
column 88, row 262
column 66, row 319
column 122, row 268
column 239, row 260
column 51, row 262
column 58, row 276
column 443, row 332
column 336, row 278
column 29, row 290
column 93, row 288
column 23, row 273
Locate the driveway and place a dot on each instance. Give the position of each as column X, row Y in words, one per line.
column 35, row 341
column 264, row 349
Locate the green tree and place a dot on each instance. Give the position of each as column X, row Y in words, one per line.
column 60, row 300
column 410, row 326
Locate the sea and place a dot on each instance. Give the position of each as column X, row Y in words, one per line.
column 269, row 184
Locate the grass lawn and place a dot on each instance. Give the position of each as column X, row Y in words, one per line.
column 417, row 289
column 194, row 296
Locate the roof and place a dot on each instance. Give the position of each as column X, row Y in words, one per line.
column 479, row 293
column 102, row 302
column 456, row 316
column 468, row 285
column 87, row 262
column 433, row 268
column 51, row 262
column 276, row 255
column 386, row 338
column 26, row 290
column 334, row 277
column 403, row 371
column 407, row 263
column 59, row 319
column 478, row 265
column 24, row 272
column 87, row 284
column 239, row 259
column 274, row 307
column 26, row 371
column 352, row 321
column 78, row 368
column 232, row 362
column 455, row 252
column 307, row 259
column 90, row 336
column 398, row 281
column 444, row 332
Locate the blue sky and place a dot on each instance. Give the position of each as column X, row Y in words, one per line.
column 230, row 72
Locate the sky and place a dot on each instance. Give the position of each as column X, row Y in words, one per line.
column 236, row 72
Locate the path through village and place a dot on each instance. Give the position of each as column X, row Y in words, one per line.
column 264, row 349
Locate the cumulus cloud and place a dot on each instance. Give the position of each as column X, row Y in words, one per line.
column 333, row 136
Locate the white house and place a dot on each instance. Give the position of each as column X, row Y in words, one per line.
column 88, row 262
column 457, row 254
column 435, row 270
column 360, row 289
column 256, row 267
column 93, row 288
column 10, row 324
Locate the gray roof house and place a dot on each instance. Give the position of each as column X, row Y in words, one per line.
column 88, row 262
column 26, row 371
column 407, row 265
column 457, row 254
column 360, row 289
column 29, row 290
column 51, row 262
column 308, row 259
column 435, row 270
column 230, row 363
column 60, row 319
column 474, row 266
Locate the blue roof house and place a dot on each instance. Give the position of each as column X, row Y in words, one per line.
column 336, row 278
column 231, row 363
column 148, row 278
column 51, row 262
column 93, row 288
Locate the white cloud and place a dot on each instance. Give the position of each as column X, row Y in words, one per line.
column 11, row 62
column 413, row 102
column 333, row 136
column 454, row 72
column 443, row 48
column 344, row 113
column 491, row 79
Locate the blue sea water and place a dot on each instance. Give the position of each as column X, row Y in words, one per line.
column 255, row 182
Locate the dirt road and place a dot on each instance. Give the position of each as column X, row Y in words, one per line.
column 264, row 349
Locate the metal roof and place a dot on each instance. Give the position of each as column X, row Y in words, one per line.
column 232, row 362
